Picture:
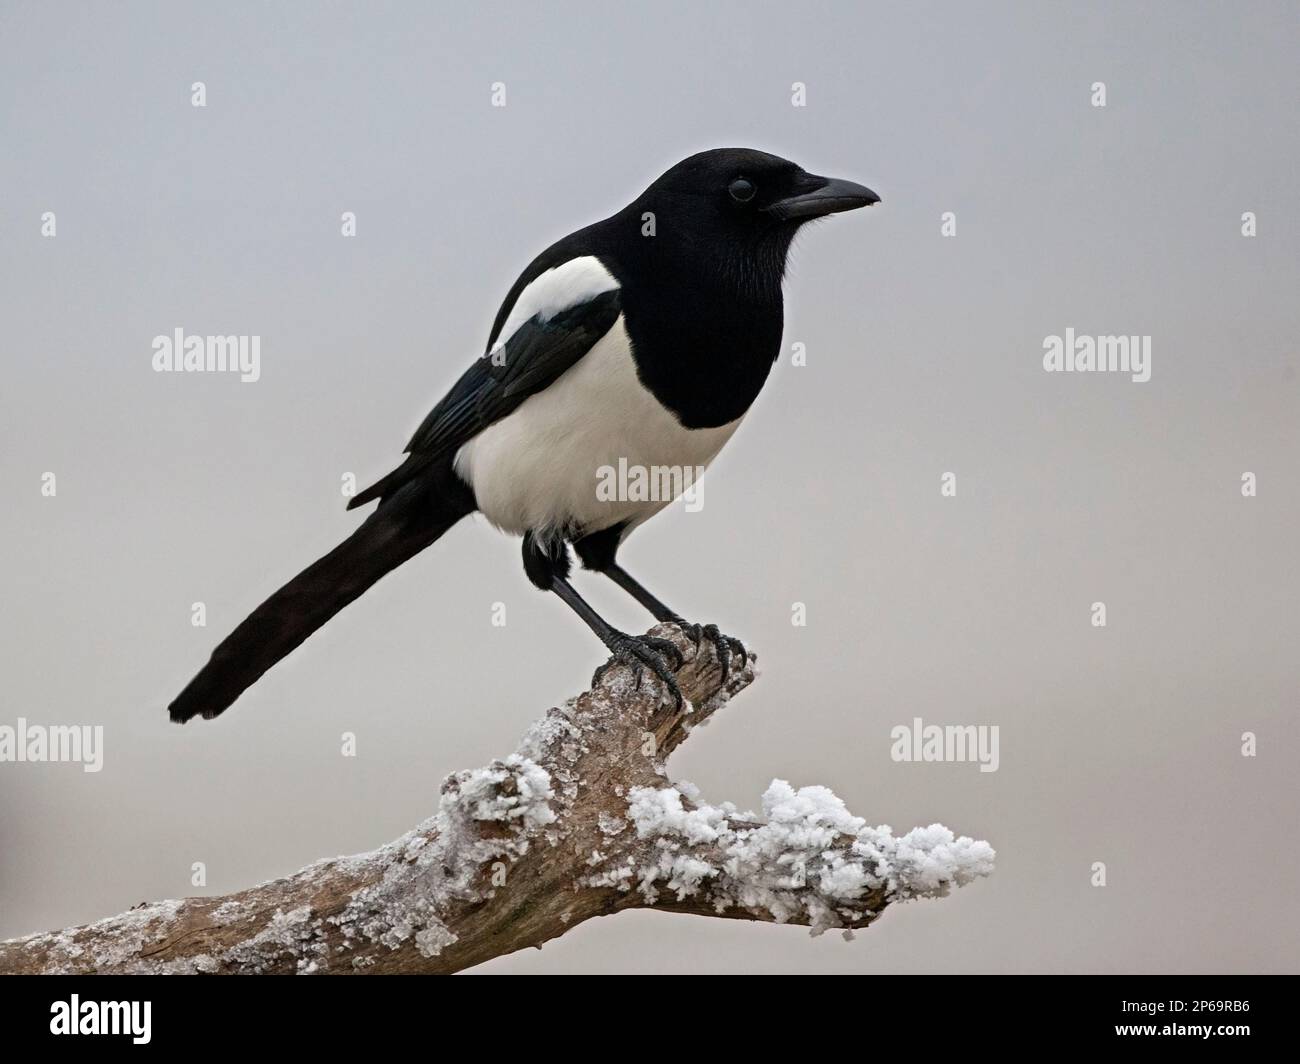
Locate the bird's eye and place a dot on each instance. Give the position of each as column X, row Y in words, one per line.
column 742, row 190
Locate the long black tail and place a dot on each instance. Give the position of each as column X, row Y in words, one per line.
column 405, row 523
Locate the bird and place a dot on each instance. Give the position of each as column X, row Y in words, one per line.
column 644, row 337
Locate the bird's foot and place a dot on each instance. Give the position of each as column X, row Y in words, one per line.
column 723, row 645
column 641, row 652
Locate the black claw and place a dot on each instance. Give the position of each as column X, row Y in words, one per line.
column 724, row 646
column 693, row 632
column 667, row 647
column 645, row 652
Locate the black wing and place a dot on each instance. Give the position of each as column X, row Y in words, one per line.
column 533, row 357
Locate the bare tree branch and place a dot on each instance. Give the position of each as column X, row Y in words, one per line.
column 580, row 821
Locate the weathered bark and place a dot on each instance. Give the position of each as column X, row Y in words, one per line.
column 580, row 821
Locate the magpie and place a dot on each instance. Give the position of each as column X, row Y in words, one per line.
column 644, row 337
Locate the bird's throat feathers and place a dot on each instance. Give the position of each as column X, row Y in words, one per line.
column 749, row 267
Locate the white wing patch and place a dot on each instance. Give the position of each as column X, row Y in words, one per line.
column 559, row 288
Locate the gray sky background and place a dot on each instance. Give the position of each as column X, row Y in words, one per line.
column 1119, row 745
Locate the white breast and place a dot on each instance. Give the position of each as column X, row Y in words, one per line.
column 539, row 468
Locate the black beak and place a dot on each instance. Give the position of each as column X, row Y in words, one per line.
column 824, row 195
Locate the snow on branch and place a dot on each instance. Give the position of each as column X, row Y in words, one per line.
column 580, row 821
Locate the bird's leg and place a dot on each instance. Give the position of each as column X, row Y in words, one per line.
column 637, row 652
column 597, row 552
column 546, row 561
column 658, row 610
column 724, row 645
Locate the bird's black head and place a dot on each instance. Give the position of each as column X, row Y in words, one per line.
column 735, row 211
